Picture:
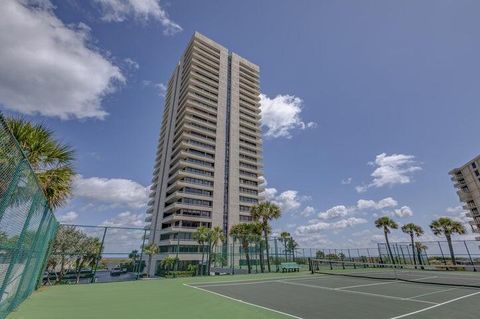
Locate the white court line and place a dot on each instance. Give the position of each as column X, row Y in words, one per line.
column 245, row 302
column 366, row 285
column 254, row 279
column 435, row 306
column 432, row 293
column 358, row 292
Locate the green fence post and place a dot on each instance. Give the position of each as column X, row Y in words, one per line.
column 99, row 255
column 33, row 250
column 441, row 251
column 46, row 250
column 17, row 250
column 233, row 256
column 469, row 256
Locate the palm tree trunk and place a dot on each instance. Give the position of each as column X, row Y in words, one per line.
column 285, row 249
column 293, row 254
column 262, row 266
column 413, row 250
column 450, row 247
column 149, row 265
column 62, row 268
column 267, row 249
column 388, row 247
column 419, row 255
column 202, row 271
column 210, row 248
column 247, row 256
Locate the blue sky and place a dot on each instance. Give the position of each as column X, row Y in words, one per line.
column 366, row 104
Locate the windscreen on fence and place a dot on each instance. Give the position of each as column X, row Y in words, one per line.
column 27, row 226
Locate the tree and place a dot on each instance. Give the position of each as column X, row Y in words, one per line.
column 320, row 254
column 284, row 237
column 447, row 227
column 292, row 245
column 420, row 247
column 168, row 262
column 51, row 160
column 65, row 246
column 133, row 255
column 386, row 223
column 413, row 230
column 150, row 250
column 201, row 236
column 264, row 213
column 88, row 254
column 213, row 237
column 244, row 233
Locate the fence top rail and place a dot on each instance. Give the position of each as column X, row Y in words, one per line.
column 102, row 226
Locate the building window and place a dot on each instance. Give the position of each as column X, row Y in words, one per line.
column 474, row 165
column 477, row 173
column 245, row 218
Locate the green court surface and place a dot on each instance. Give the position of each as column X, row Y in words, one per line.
column 293, row 295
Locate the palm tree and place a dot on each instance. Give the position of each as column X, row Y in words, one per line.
column 386, row 223
column 244, row 233
column 446, row 226
column 51, row 160
column 201, row 236
column 150, row 250
column 264, row 213
column 167, row 263
column 413, row 230
column 292, row 245
column 420, row 247
column 133, row 255
column 213, row 237
column 284, row 237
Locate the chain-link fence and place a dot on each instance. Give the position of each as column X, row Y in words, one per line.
column 461, row 252
column 88, row 254
column 27, row 226
column 185, row 259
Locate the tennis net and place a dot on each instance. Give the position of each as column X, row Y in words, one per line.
column 459, row 275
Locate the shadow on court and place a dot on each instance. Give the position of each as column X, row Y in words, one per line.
column 327, row 296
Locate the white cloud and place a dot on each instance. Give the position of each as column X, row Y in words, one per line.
column 336, row 212
column 67, row 218
column 132, row 63
column 159, row 87
column 307, row 211
column 125, row 219
column 287, row 201
column 459, row 214
column 403, row 211
column 340, row 224
column 281, row 115
column 391, row 170
column 371, row 204
column 142, row 10
column 115, row 191
column 347, row 181
column 49, row 68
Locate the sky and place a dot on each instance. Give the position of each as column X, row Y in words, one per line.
column 366, row 105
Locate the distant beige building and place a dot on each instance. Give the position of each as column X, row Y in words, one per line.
column 209, row 154
column 467, row 181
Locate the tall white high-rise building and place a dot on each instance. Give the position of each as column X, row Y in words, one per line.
column 467, row 182
column 209, row 153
